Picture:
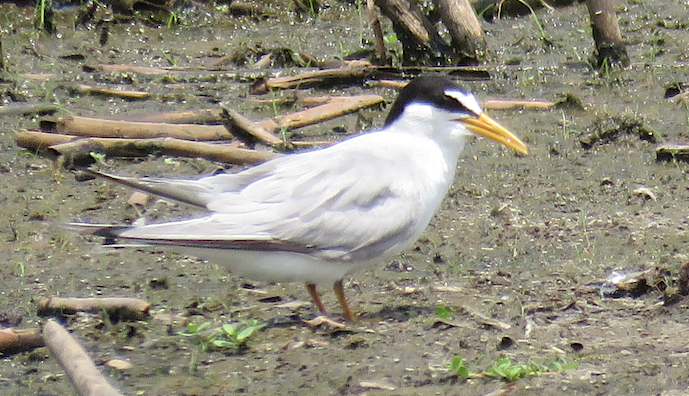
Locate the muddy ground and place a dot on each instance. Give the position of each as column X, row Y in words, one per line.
column 511, row 253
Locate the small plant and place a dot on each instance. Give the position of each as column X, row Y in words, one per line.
column 561, row 365
column 44, row 16
column 444, row 313
column 509, row 371
column 457, row 365
column 98, row 157
column 390, row 38
column 505, row 369
column 20, row 266
column 227, row 336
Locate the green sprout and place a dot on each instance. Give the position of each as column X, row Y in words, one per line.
column 457, row 365
column 228, row 336
column 509, row 371
column 504, row 368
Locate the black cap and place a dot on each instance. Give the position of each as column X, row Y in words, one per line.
column 427, row 89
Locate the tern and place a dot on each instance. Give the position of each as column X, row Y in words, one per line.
column 317, row 216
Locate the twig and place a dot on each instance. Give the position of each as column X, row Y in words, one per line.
column 17, row 340
column 501, row 104
column 204, row 116
column 96, row 127
column 85, row 89
column 83, row 374
column 121, row 308
column 131, row 68
column 37, row 141
column 313, row 78
column 237, row 124
column 80, row 149
column 335, row 107
column 27, row 108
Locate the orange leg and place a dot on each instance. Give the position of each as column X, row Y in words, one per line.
column 339, row 293
column 311, row 288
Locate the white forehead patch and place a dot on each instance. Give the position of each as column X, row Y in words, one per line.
column 467, row 99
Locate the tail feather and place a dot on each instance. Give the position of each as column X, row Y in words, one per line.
column 186, row 191
column 102, row 230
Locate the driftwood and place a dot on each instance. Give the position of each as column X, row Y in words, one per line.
column 79, row 150
column 39, row 77
column 204, row 116
column 81, row 371
column 241, row 126
column 27, row 108
column 131, row 68
column 17, row 340
column 502, row 104
column 610, row 48
column 40, row 141
column 335, row 107
column 85, row 89
column 96, row 127
column 312, row 78
column 121, row 308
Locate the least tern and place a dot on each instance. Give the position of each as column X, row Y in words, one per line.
column 317, row 216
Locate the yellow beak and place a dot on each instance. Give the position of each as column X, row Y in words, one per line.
column 488, row 127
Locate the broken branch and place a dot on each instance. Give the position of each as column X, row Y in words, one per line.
column 120, row 307
column 96, row 127
column 16, row 340
column 83, row 374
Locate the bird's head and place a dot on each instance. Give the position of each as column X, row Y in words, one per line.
column 437, row 105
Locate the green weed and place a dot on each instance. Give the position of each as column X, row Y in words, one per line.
column 505, row 369
column 228, row 336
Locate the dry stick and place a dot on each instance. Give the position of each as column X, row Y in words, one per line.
column 83, row 374
column 85, row 89
column 312, row 78
column 34, row 140
column 459, row 18
column 236, row 121
column 125, row 307
column 135, row 69
column 27, row 108
column 204, row 116
column 79, row 150
column 379, row 41
column 39, row 77
column 95, row 127
column 337, row 106
column 606, row 33
column 17, row 340
column 501, row 104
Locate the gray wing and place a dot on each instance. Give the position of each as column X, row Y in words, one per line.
column 332, row 204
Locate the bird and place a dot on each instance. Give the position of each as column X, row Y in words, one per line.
column 317, row 216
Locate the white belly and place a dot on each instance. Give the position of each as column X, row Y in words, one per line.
column 267, row 266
